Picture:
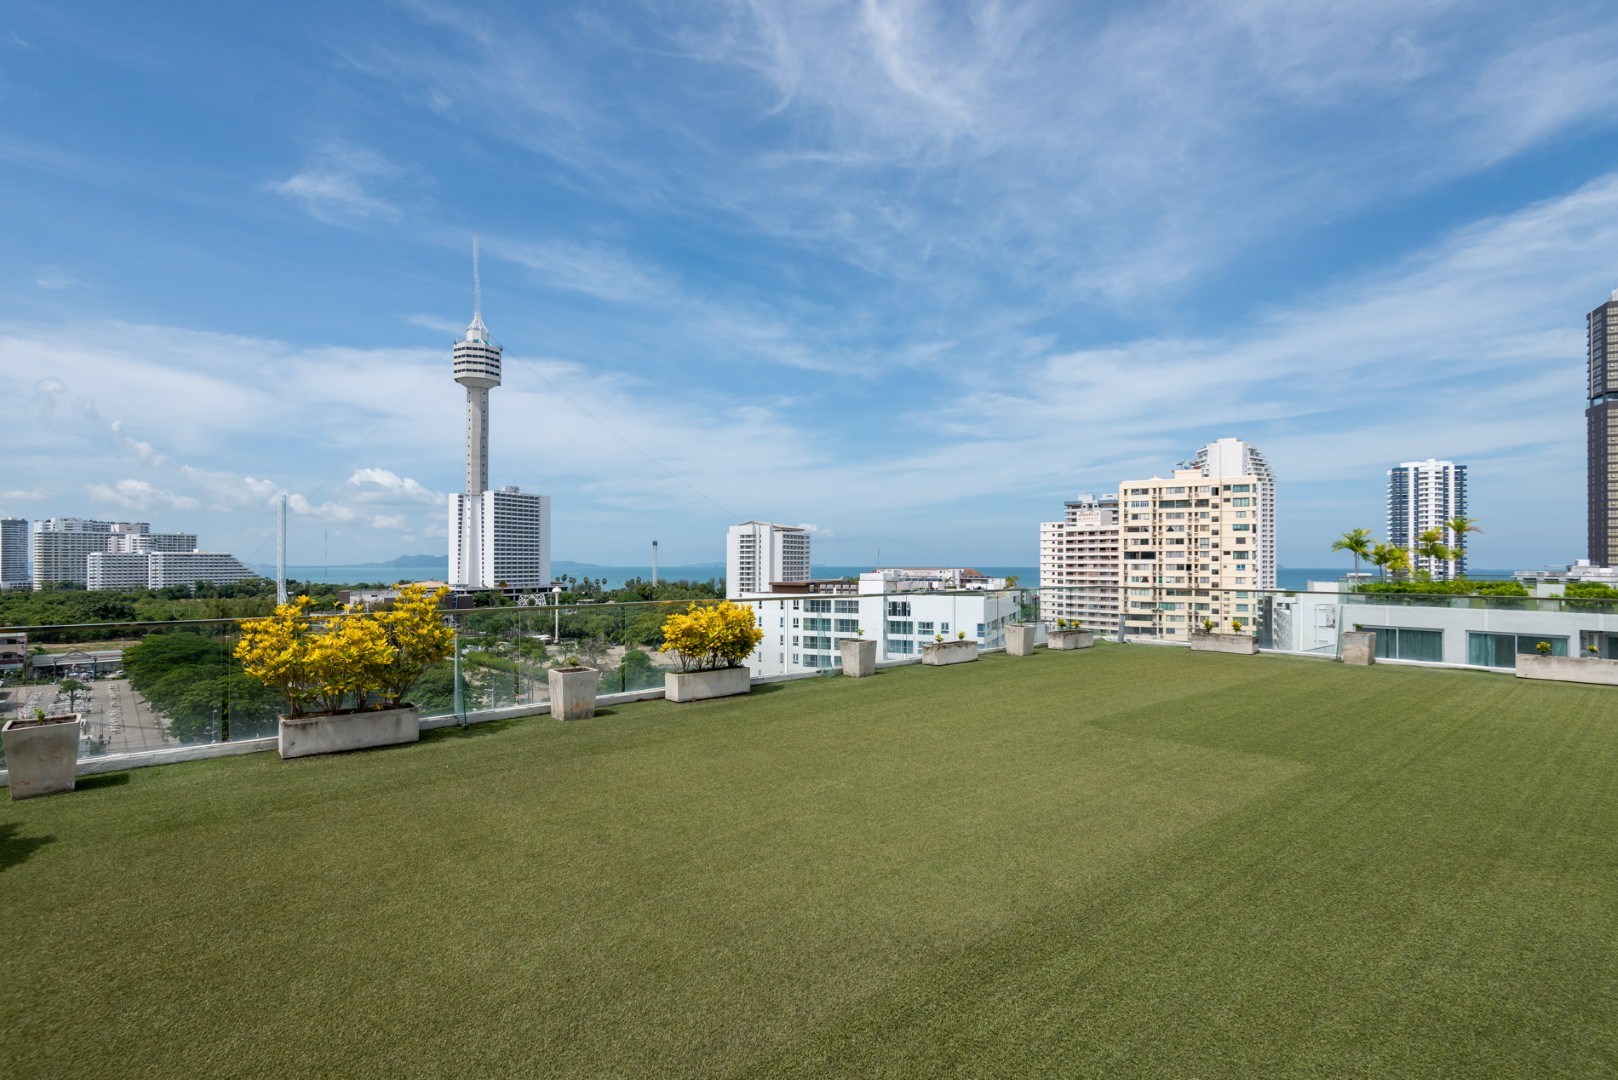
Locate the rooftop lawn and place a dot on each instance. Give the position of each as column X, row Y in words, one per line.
column 1127, row 860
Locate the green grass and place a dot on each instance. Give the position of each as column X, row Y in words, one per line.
column 1131, row 860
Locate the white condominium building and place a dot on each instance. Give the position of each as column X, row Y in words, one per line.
column 125, row 555
column 500, row 539
column 193, row 568
column 1426, row 495
column 120, row 570
column 1079, row 564
column 62, row 547
column 759, row 555
column 1199, row 545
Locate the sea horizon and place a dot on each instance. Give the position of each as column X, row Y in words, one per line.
column 1295, row 578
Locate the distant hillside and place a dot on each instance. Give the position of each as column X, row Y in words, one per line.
column 411, row 560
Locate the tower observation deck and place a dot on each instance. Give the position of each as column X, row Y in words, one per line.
column 477, row 367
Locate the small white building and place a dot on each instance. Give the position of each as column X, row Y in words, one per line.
column 803, row 627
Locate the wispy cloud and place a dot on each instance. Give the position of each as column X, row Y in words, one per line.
column 345, row 184
column 59, row 277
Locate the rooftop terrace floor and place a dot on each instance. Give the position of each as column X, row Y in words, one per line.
column 1132, row 859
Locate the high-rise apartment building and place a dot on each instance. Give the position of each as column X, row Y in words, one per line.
column 497, row 539
column 1199, row 545
column 1601, row 432
column 509, row 545
column 125, row 555
column 14, row 553
column 1079, row 564
column 1425, row 495
column 62, row 547
column 758, row 554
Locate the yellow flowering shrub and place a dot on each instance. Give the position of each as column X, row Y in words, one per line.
column 356, row 660
column 710, row 636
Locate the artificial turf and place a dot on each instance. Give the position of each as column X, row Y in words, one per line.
column 1131, row 860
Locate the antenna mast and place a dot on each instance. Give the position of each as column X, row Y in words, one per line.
column 477, row 284
column 281, row 553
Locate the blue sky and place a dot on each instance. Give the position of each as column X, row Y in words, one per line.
column 911, row 273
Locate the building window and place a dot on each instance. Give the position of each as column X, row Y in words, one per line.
column 901, row 627
column 1501, row 650
column 817, row 605
column 1399, row 643
column 899, row 608
column 846, row 607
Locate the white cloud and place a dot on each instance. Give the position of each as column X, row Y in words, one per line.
column 380, row 483
column 24, row 495
column 346, row 184
column 139, row 495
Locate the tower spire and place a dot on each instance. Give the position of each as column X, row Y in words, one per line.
column 477, row 289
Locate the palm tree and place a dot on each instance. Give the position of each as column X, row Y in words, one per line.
column 1357, row 542
column 1380, row 557
column 1460, row 525
column 1430, row 545
column 1399, row 562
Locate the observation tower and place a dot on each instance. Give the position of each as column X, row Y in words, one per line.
column 477, row 367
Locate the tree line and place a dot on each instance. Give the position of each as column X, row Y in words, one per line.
column 1394, row 562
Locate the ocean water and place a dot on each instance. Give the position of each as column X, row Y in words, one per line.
column 1287, row 577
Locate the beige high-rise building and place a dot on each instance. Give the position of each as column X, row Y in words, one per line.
column 1199, row 545
column 1079, row 564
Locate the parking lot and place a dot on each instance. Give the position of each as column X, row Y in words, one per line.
column 115, row 719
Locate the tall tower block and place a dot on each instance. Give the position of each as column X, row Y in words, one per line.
column 477, row 367
column 1601, row 428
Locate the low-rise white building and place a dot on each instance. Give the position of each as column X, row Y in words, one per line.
column 193, row 568
column 802, row 628
column 126, row 570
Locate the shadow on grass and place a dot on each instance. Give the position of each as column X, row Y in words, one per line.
column 15, row 849
column 100, row 780
column 769, row 688
column 488, row 727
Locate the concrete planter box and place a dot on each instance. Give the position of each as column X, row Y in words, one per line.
column 1241, row 644
column 1359, row 647
column 1062, row 640
column 1020, row 639
column 700, row 685
column 939, row 653
column 859, row 657
column 333, row 733
column 1556, row 668
column 573, row 692
column 42, row 756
